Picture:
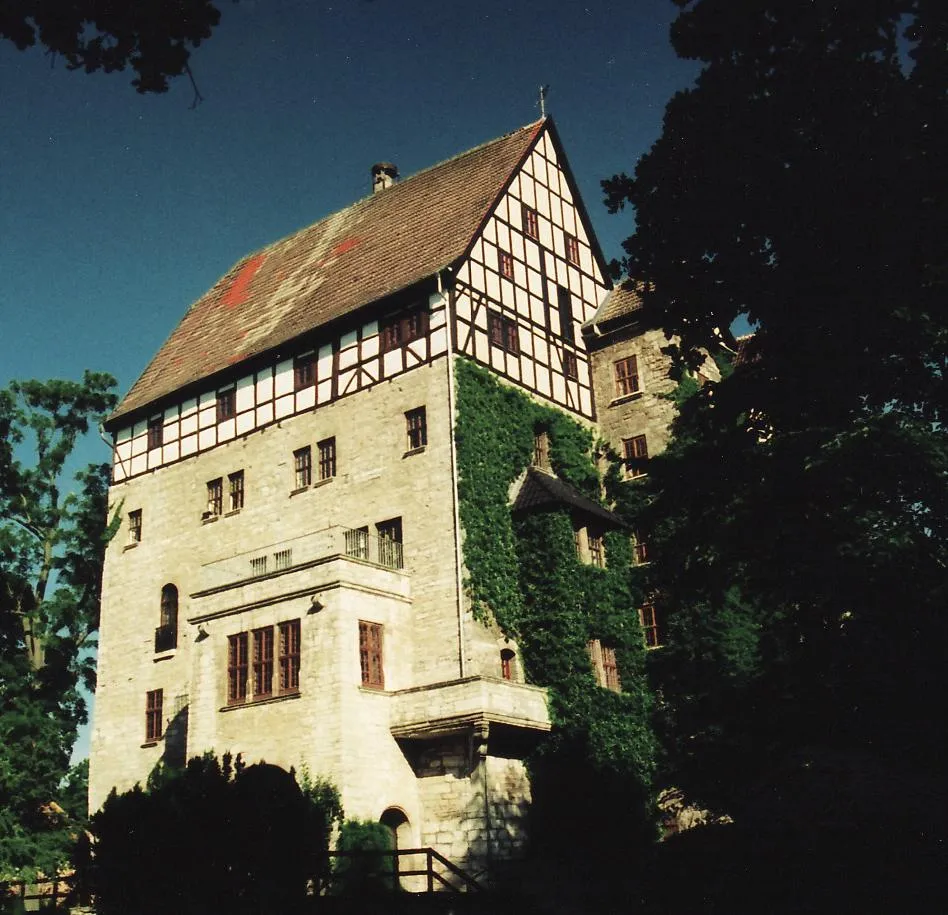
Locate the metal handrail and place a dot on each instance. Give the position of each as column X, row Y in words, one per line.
column 432, row 875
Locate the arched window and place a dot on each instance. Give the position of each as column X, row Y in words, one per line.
column 166, row 635
column 507, row 659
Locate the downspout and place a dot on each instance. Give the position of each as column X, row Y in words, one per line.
column 458, row 574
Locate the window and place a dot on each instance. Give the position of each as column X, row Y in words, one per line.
column 627, row 376
column 597, row 549
column 215, row 498
column 236, row 481
column 531, row 225
column 263, row 662
column 570, row 369
column 283, row 559
column 260, row 669
column 572, row 248
column 505, row 264
column 290, row 656
column 639, row 548
column 237, row 667
column 649, row 620
column 604, row 667
column 135, row 526
column 304, row 372
column 327, row 458
column 541, row 449
column 397, row 330
column 357, row 543
column 370, row 654
column 154, row 720
column 303, row 467
column 155, row 432
column 226, row 404
column 417, row 428
column 507, row 663
column 564, row 305
column 258, row 566
column 166, row 635
column 503, row 332
column 636, row 451
column 390, row 543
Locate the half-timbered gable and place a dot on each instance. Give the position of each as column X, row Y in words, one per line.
column 533, row 277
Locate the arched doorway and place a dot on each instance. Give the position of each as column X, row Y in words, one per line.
column 395, row 819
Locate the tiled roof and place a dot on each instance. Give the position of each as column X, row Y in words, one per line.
column 382, row 243
column 541, row 491
column 623, row 300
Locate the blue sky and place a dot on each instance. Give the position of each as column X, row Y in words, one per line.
column 118, row 210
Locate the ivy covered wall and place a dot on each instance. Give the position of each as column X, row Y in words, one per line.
column 524, row 574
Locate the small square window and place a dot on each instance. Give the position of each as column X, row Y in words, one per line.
column 327, row 458
column 156, row 430
column 303, row 467
column 226, row 404
column 154, row 720
column 572, row 248
column 626, row 376
column 417, row 428
column 370, row 655
column 304, row 372
column 531, row 225
column 636, row 453
column 236, row 487
column 135, row 526
column 505, row 264
column 215, row 498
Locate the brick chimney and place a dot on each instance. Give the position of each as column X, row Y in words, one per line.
column 384, row 174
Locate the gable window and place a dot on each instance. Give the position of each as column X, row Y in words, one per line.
column 166, row 635
column 303, row 467
column 417, row 428
column 154, row 720
column 263, row 661
column 397, row 330
column 226, row 404
column 572, row 248
column 503, row 332
column 390, row 543
column 627, row 376
column 605, row 670
column 649, row 621
column 531, row 224
column 636, row 451
column 135, row 526
column 290, row 656
column 507, row 658
column 215, row 498
column 237, row 667
column 564, row 305
column 236, row 486
column 505, row 264
column 304, row 372
column 570, row 369
column 370, row 654
column 327, row 458
column 156, row 430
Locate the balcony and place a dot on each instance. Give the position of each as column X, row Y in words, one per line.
column 301, row 552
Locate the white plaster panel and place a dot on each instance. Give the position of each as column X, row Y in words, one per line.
column 490, row 231
column 207, row 438
column 370, row 343
column 284, row 405
column 265, row 414
column 139, row 464
column 534, row 282
column 439, row 341
column 283, row 379
column 411, row 357
column 372, row 367
column 324, row 362
column 170, row 452
column 189, row 445
column 154, row 458
column 507, row 294
column 541, row 350
column 477, row 275
column 492, row 285
column 118, row 473
column 565, row 193
column 207, row 417
column 324, row 391
column 528, row 191
column 123, row 451
column 543, row 202
column 139, row 445
column 436, row 319
column 546, row 233
column 575, row 281
column 527, row 372
column 306, row 398
column 207, row 399
column 140, row 428
column 513, row 367
column 464, row 273
column 522, row 298
column 348, row 381
column 480, row 318
column 497, row 359
column 537, row 310
column 348, row 357
column 503, row 209
column 516, row 248
column 244, row 396
column 172, row 430
column 189, row 407
column 585, row 403
column 462, row 306
column 349, row 339
column 189, row 424
column 533, row 256
column 527, row 167
column 544, row 145
column 569, row 220
column 543, row 380
column 391, row 362
column 480, row 339
column 226, row 430
column 123, row 435
column 526, row 341
column 559, row 388
column 264, row 387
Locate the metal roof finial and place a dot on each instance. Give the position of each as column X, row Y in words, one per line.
column 543, row 93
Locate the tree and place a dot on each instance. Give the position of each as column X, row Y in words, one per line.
column 154, row 37
column 800, row 515
column 51, row 549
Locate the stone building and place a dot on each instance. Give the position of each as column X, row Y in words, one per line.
column 288, row 579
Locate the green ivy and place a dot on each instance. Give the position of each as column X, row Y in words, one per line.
column 524, row 574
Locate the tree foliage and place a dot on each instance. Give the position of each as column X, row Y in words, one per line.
column 154, row 37
column 51, row 547
column 800, row 516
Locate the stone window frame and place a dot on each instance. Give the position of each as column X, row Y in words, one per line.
column 135, row 526
column 235, row 490
column 635, row 451
column 302, row 468
column 416, row 424
column 371, row 654
column 154, row 718
column 605, row 668
column 326, row 449
column 257, row 657
column 626, row 377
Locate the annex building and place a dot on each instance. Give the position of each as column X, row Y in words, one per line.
column 288, row 582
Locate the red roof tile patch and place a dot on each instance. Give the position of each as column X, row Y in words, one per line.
column 384, row 242
column 623, row 300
